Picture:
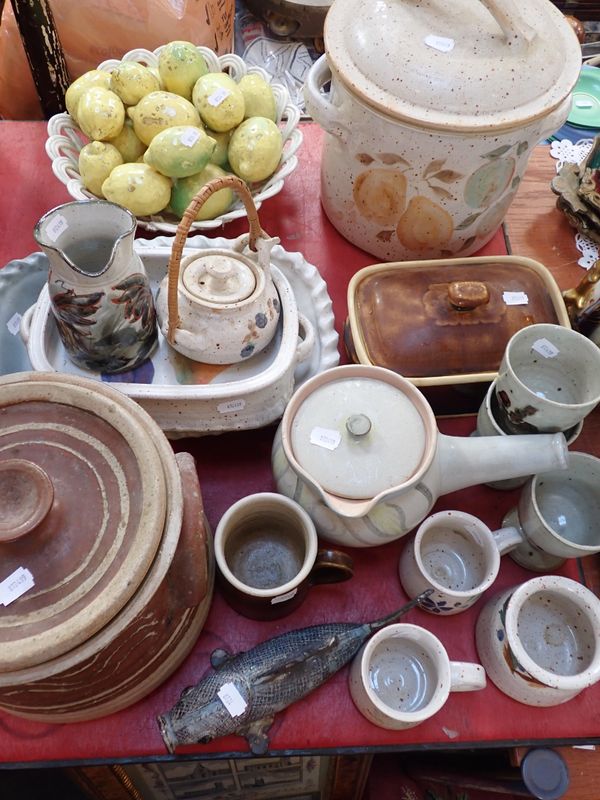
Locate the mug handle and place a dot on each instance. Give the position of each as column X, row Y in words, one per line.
column 466, row 677
column 331, row 566
column 507, row 539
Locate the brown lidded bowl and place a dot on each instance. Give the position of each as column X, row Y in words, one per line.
column 444, row 324
column 107, row 536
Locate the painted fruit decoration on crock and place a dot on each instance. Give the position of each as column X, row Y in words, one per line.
column 412, row 210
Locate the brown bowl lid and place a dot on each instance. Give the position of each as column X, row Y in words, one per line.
column 447, row 321
column 83, row 499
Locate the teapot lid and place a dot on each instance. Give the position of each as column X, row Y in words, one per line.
column 219, row 278
column 357, row 435
column 465, row 65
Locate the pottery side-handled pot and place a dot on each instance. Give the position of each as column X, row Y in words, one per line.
column 358, row 447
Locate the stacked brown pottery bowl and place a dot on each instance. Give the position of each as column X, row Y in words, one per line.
column 106, row 574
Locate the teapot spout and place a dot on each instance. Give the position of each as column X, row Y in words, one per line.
column 465, row 461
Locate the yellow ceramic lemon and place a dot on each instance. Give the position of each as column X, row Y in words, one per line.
column 180, row 64
column 139, row 188
column 186, row 189
column 96, row 161
column 259, row 100
column 255, row 149
column 132, row 81
column 100, row 113
column 128, row 144
column 159, row 110
column 219, row 100
column 95, row 77
column 180, row 151
column 222, row 139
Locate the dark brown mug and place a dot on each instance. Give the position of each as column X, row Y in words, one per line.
column 268, row 557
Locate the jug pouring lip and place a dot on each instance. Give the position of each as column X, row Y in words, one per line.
column 63, row 213
column 353, row 506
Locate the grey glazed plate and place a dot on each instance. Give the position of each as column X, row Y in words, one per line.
column 20, row 284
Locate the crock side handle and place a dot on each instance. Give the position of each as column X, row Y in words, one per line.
column 317, row 104
column 511, row 22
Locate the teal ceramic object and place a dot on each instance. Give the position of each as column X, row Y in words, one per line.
column 585, row 105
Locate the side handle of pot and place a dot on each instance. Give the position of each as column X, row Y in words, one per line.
column 317, row 102
column 306, row 339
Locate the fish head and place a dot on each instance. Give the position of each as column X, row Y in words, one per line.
column 190, row 723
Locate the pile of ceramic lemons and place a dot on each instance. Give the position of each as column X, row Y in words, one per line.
column 157, row 135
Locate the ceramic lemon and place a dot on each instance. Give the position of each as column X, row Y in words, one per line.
column 159, row 110
column 139, row 188
column 255, row 149
column 100, row 113
column 219, row 100
column 179, row 66
column 180, row 151
column 96, row 161
column 93, row 78
column 222, row 139
column 185, row 190
column 128, row 144
column 259, row 100
column 132, row 81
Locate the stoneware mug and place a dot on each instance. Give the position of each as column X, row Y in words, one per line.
column 558, row 515
column 548, row 380
column 539, row 642
column 457, row 556
column 488, row 424
column 402, row 676
column 267, row 552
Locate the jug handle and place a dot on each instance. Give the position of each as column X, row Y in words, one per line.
column 25, row 323
column 318, row 106
column 256, row 232
column 510, row 20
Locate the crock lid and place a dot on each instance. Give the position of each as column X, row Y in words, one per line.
column 99, row 479
column 464, row 65
column 219, row 278
column 357, row 436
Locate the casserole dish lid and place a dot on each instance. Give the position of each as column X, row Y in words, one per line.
column 447, row 321
column 466, row 65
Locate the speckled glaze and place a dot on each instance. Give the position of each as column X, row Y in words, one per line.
column 548, row 380
column 540, row 642
column 402, row 676
column 445, row 463
column 431, row 117
column 457, row 556
column 558, row 514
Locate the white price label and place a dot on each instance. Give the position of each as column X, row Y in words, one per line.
column 232, row 699
column 19, row 582
column 583, row 104
column 323, row 437
column 231, row 406
column 170, row 112
column 515, row 298
column 281, row 598
column 545, row 348
column 216, row 98
column 441, row 43
column 14, row 323
column 190, row 137
column 57, row 226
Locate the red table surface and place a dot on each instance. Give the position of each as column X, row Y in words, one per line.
column 233, row 465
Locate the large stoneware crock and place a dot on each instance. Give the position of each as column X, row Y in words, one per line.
column 106, row 565
column 432, row 113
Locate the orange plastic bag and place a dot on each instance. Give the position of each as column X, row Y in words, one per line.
column 92, row 31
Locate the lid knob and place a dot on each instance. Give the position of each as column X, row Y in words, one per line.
column 26, row 497
column 358, row 424
column 467, row 295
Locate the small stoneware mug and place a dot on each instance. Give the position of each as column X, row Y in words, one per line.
column 488, row 424
column 457, row 556
column 558, row 515
column 548, row 380
column 539, row 642
column 402, row 676
column 267, row 552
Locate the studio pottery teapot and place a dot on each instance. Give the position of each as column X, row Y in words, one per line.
column 220, row 306
column 359, row 449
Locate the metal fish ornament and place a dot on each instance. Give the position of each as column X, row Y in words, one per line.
column 245, row 691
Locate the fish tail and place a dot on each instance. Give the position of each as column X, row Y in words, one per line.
column 381, row 623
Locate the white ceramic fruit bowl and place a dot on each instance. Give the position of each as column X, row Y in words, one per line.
column 65, row 140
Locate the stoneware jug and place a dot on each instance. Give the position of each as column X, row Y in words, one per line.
column 359, row 449
column 220, row 306
column 98, row 288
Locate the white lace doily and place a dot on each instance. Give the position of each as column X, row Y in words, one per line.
column 567, row 152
